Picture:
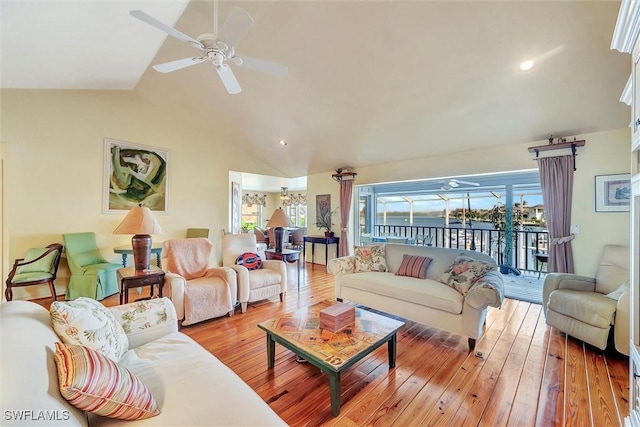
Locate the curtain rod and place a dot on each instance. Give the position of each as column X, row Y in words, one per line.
column 563, row 145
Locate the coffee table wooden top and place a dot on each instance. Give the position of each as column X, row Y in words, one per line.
column 334, row 351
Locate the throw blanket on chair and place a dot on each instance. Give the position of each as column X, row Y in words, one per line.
column 206, row 293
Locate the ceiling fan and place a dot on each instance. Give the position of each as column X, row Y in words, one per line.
column 450, row 184
column 217, row 48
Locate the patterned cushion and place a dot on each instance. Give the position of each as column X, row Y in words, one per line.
column 370, row 258
column 250, row 260
column 414, row 266
column 464, row 272
column 87, row 322
column 94, row 383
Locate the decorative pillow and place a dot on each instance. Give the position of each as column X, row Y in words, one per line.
column 464, row 272
column 618, row 292
column 87, row 322
column 370, row 258
column 414, row 266
column 250, row 260
column 44, row 265
column 94, row 383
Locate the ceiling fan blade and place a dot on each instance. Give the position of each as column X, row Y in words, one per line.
column 168, row 67
column 263, row 66
column 163, row 27
column 475, row 184
column 228, row 79
column 235, row 27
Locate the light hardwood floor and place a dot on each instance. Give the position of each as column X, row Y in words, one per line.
column 523, row 373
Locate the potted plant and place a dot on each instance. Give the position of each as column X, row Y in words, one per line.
column 498, row 217
column 324, row 222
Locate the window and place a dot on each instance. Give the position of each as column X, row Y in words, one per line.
column 251, row 216
column 297, row 214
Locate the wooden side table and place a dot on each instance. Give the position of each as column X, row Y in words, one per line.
column 288, row 255
column 326, row 241
column 156, row 248
column 130, row 278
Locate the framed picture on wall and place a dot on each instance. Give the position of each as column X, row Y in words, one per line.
column 134, row 175
column 613, row 193
column 236, row 208
column 323, row 211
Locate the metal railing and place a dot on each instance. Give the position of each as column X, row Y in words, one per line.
column 525, row 244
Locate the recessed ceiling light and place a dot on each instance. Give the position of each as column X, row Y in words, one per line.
column 526, row 65
column 283, row 142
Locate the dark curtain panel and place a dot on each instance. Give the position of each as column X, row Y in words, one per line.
column 556, row 179
column 346, row 188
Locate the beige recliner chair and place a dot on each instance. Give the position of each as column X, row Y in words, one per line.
column 253, row 285
column 198, row 291
column 586, row 308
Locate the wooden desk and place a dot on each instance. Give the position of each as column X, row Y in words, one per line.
column 156, row 248
column 130, row 278
column 288, row 255
column 326, row 241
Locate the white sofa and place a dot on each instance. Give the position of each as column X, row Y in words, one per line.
column 427, row 301
column 190, row 386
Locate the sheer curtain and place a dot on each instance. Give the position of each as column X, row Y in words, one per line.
column 556, row 180
column 346, row 189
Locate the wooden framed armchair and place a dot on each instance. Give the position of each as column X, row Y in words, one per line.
column 253, row 285
column 38, row 267
column 92, row 276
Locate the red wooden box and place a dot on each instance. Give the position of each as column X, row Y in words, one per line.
column 337, row 317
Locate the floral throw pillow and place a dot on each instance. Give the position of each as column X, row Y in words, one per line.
column 87, row 322
column 370, row 258
column 464, row 272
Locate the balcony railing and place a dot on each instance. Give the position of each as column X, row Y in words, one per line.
column 526, row 243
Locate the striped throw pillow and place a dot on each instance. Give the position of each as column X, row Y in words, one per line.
column 92, row 382
column 414, row 266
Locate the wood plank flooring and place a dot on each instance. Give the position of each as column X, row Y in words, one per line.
column 523, row 373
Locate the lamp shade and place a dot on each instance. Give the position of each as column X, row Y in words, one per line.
column 279, row 219
column 139, row 220
column 141, row 223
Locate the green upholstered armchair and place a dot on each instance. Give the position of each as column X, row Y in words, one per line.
column 91, row 275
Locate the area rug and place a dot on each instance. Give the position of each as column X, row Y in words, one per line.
column 526, row 287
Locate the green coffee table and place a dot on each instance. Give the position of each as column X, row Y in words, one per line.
column 330, row 352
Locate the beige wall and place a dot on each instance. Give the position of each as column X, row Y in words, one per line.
column 57, row 154
column 56, row 167
column 604, row 153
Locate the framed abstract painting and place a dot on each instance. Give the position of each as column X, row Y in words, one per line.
column 613, row 193
column 134, row 175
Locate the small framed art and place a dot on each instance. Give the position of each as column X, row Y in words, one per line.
column 613, row 193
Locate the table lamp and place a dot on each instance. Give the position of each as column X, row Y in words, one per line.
column 141, row 223
column 278, row 221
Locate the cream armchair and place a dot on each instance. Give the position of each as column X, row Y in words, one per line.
column 253, row 285
column 580, row 307
column 198, row 292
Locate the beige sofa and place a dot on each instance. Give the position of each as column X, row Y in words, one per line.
column 427, row 301
column 190, row 386
column 579, row 305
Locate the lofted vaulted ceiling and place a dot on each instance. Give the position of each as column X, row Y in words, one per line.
column 369, row 82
